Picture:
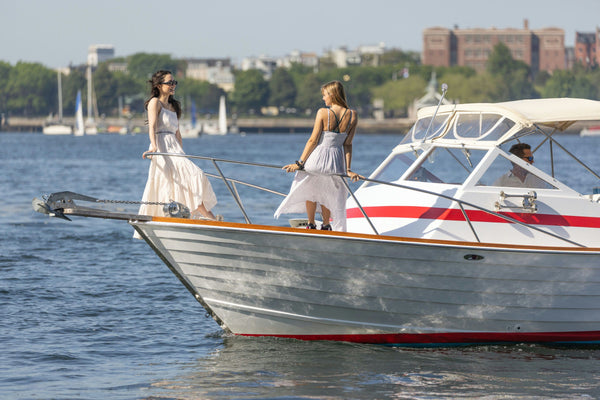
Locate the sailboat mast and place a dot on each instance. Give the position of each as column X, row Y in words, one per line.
column 60, row 111
column 89, row 92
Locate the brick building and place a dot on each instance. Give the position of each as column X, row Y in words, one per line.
column 587, row 48
column 542, row 49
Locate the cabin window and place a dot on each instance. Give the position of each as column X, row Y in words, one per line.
column 479, row 125
column 503, row 173
column 447, row 165
column 421, row 128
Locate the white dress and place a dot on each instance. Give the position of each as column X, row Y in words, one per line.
column 316, row 184
column 174, row 178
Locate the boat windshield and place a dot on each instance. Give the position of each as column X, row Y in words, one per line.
column 447, row 165
column 397, row 166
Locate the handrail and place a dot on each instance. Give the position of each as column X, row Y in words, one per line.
column 460, row 202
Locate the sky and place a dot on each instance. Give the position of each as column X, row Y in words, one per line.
column 57, row 33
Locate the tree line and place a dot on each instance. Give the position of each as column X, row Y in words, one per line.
column 30, row 89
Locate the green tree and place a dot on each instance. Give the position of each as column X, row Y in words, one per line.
column 570, row 84
column 143, row 65
column 515, row 82
column 470, row 89
column 282, row 88
column 71, row 83
column 206, row 95
column 251, row 90
column 399, row 58
column 5, row 69
column 110, row 86
column 309, row 96
column 398, row 95
column 32, row 90
column 559, row 84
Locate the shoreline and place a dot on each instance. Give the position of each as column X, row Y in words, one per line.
column 249, row 125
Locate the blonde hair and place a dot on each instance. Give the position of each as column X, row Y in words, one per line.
column 336, row 91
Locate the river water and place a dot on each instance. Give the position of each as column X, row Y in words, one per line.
column 89, row 313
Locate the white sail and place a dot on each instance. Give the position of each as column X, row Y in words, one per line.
column 222, row 116
column 79, row 125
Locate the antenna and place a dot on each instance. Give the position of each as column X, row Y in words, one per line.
column 444, row 90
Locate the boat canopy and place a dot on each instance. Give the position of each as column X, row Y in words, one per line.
column 558, row 113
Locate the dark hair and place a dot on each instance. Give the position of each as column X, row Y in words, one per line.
column 156, row 80
column 518, row 149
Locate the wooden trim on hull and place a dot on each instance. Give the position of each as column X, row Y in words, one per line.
column 455, row 338
column 382, row 238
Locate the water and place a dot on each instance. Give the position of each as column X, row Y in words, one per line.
column 90, row 313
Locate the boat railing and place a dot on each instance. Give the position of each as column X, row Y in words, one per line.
column 231, row 186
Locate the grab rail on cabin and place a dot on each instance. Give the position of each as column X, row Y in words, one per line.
column 230, row 183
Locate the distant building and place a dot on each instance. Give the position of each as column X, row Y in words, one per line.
column 262, row 63
column 120, row 66
column 98, row 53
column 217, row 71
column 587, row 48
column 541, row 49
column 310, row 60
column 342, row 57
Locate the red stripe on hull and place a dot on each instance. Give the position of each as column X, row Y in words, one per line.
column 446, row 214
column 436, row 339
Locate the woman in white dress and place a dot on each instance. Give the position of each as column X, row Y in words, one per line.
column 328, row 151
column 171, row 178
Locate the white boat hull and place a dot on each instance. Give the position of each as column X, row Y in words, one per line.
column 57, row 129
column 259, row 280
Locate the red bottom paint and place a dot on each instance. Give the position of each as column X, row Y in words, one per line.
column 460, row 338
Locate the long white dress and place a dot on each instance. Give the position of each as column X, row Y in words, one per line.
column 316, row 184
column 174, row 178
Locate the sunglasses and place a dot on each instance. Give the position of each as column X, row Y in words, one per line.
column 530, row 158
column 170, row 83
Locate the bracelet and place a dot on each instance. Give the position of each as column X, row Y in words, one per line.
column 300, row 165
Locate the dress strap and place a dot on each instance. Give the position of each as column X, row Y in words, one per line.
column 337, row 121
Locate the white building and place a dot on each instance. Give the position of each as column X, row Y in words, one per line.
column 213, row 70
column 98, row 53
column 262, row 63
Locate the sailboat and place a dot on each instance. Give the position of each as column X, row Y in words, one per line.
column 58, row 127
column 210, row 128
column 91, row 126
column 79, row 126
column 190, row 129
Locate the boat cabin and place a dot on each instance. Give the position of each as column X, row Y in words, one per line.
column 453, row 178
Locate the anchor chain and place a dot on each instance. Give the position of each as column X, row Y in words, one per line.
column 173, row 208
column 150, row 203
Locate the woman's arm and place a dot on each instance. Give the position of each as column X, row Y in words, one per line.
column 348, row 149
column 312, row 141
column 178, row 137
column 153, row 110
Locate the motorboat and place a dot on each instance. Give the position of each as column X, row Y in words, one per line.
column 593, row 130
column 436, row 252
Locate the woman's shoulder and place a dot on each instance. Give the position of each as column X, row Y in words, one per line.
column 154, row 102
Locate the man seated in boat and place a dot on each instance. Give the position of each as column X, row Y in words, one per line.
column 519, row 176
